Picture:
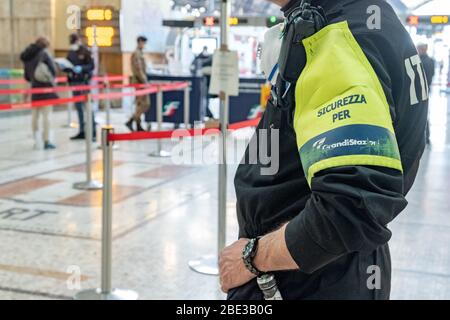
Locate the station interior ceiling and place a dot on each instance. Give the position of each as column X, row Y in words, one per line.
column 262, row 7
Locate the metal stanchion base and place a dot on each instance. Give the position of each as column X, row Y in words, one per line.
column 89, row 185
column 160, row 154
column 73, row 125
column 207, row 265
column 116, row 294
column 115, row 147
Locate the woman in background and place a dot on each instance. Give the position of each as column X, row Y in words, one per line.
column 40, row 71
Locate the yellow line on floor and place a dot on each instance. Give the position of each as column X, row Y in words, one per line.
column 39, row 272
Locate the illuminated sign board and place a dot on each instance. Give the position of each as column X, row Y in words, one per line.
column 101, row 27
column 179, row 23
column 99, row 14
column 215, row 21
column 211, row 21
column 103, row 35
column 428, row 20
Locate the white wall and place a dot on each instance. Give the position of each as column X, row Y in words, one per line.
column 144, row 17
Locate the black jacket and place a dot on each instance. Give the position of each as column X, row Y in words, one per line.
column 339, row 226
column 429, row 65
column 31, row 57
column 81, row 57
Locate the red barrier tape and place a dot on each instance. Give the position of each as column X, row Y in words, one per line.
column 23, row 81
column 165, row 88
column 112, row 78
column 152, row 89
column 178, row 133
column 160, row 134
column 120, row 95
column 40, row 104
column 51, row 89
column 244, row 124
column 174, row 86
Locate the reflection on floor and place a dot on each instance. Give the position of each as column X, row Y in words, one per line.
column 165, row 215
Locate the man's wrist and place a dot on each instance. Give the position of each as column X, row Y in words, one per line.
column 249, row 254
column 273, row 254
column 261, row 256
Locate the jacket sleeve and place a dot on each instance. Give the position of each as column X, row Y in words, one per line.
column 48, row 60
column 88, row 65
column 349, row 153
column 27, row 75
column 349, row 211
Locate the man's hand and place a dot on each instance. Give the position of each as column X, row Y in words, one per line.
column 233, row 272
column 272, row 255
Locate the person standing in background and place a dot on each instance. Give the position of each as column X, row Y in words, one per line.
column 429, row 65
column 203, row 63
column 139, row 70
column 81, row 74
column 40, row 71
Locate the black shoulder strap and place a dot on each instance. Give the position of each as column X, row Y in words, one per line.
column 301, row 23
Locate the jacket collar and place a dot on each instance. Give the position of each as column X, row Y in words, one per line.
column 327, row 5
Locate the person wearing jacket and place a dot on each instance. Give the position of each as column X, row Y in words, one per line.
column 81, row 74
column 33, row 55
column 351, row 136
column 139, row 70
column 429, row 65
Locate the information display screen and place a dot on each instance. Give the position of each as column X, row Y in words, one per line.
column 428, row 20
column 101, row 26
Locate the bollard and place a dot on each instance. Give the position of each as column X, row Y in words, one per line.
column 89, row 184
column 108, row 105
column 159, row 117
column 159, row 114
column 209, row 265
column 70, row 124
column 187, row 108
column 106, row 292
column 108, row 109
column 223, row 171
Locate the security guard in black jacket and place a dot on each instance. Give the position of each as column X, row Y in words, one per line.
column 351, row 132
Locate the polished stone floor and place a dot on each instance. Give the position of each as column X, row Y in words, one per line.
column 166, row 214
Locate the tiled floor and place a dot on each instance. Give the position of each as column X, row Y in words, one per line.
column 165, row 215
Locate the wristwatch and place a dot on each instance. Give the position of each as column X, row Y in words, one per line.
column 249, row 254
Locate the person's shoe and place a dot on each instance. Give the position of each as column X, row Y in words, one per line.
column 139, row 128
column 129, row 125
column 49, row 146
column 80, row 136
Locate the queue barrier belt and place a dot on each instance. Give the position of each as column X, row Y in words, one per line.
column 179, row 133
column 112, row 78
column 146, row 89
column 78, row 88
column 140, row 90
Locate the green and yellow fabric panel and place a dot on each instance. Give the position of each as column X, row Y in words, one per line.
column 342, row 116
